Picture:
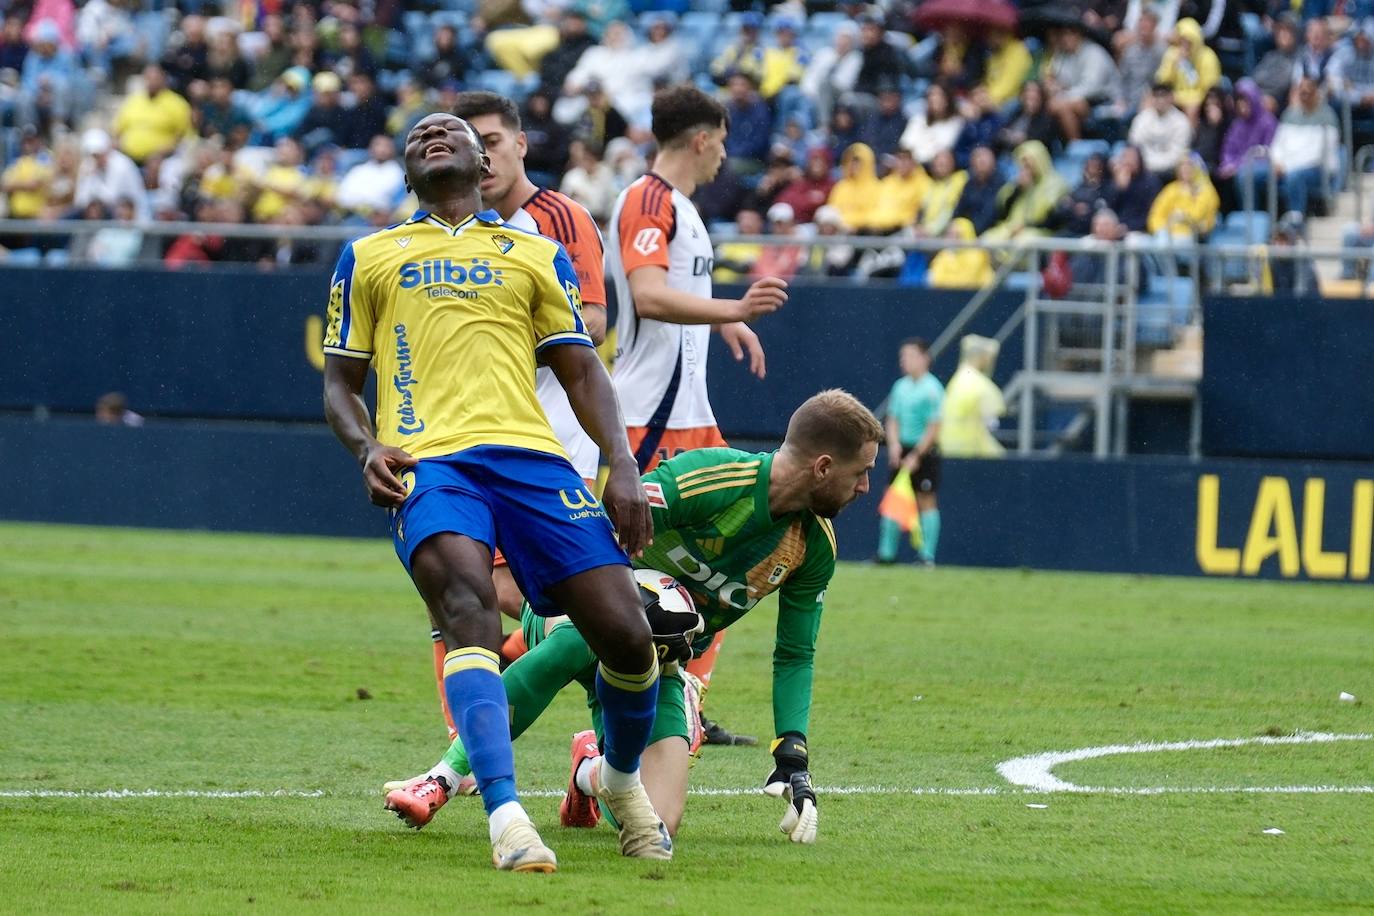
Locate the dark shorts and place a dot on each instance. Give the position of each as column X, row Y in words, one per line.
column 927, row 476
column 532, row 505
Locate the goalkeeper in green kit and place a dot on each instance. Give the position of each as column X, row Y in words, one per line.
column 732, row 527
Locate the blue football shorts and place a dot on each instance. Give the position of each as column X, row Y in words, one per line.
column 532, row 505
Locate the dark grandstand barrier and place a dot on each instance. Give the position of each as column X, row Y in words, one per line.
column 1288, row 377
column 1141, row 515
column 241, row 343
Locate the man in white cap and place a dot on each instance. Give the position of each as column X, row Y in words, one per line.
column 107, row 175
column 780, row 260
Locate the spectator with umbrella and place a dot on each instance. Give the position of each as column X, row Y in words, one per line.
column 961, row 62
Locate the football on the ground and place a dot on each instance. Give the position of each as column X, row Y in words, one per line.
column 672, row 615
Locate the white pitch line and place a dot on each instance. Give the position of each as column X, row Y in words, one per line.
column 161, row 793
column 1033, row 771
column 716, row 792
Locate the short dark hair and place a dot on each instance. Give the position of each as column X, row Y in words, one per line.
column 919, row 343
column 480, row 102
column 679, row 110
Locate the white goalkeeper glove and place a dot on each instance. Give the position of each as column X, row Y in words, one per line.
column 791, row 781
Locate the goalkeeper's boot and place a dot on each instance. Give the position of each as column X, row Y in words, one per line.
column 416, row 804
column 715, row 733
column 579, row 809
column 467, row 785
column 519, row 848
column 642, row 832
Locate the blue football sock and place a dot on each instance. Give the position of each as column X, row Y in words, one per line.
column 889, row 539
column 930, row 533
column 477, row 698
column 628, row 702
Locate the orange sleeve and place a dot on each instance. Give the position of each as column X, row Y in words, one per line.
column 647, row 224
column 587, row 255
column 564, row 220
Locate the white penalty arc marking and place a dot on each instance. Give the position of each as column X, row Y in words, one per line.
column 1033, row 772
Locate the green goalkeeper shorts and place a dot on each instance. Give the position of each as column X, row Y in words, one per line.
column 670, row 717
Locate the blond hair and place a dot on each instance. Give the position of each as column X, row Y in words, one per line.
column 833, row 422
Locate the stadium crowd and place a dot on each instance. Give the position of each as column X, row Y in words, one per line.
column 850, row 119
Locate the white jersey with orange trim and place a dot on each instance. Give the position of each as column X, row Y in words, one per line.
column 660, row 367
column 561, row 218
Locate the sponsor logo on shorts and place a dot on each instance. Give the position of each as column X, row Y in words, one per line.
column 655, row 494
column 403, row 381
column 581, row 499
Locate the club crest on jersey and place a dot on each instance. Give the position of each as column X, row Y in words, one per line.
column 504, row 243
column 778, row 574
column 573, row 293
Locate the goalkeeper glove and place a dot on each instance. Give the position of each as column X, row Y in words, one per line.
column 791, row 781
column 674, row 631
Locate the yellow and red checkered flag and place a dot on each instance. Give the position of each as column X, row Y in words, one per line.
column 899, row 506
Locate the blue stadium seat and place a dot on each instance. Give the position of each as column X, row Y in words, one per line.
column 1252, row 226
column 1168, row 304
column 458, row 20
column 825, row 24
column 347, row 158
column 500, row 82
column 153, row 26
column 24, row 257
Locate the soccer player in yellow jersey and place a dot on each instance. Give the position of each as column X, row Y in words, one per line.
column 454, row 309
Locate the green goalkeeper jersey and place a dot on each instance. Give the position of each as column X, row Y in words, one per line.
column 714, row 533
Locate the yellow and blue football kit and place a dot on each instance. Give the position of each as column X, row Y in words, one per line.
column 452, row 319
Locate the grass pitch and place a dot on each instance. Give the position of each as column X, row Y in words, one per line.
column 135, row 660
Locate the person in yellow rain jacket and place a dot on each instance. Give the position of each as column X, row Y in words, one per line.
column 1007, row 67
column 1024, row 205
column 960, row 268
column 856, row 195
column 1187, row 206
column 973, row 403
column 1189, row 67
column 900, row 192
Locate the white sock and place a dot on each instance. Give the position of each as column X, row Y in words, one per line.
column 449, row 773
column 615, row 781
column 502, row 817
column 584, row 774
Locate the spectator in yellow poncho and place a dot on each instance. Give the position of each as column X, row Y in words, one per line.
column 784, row 64
column 1008, row 65
column 1189, row 67
column 900, row 192
column 1024, row 205
column 1187, row 206
column 855, row 195
column 943, row 190
column 960, row 268
column 973, row 403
